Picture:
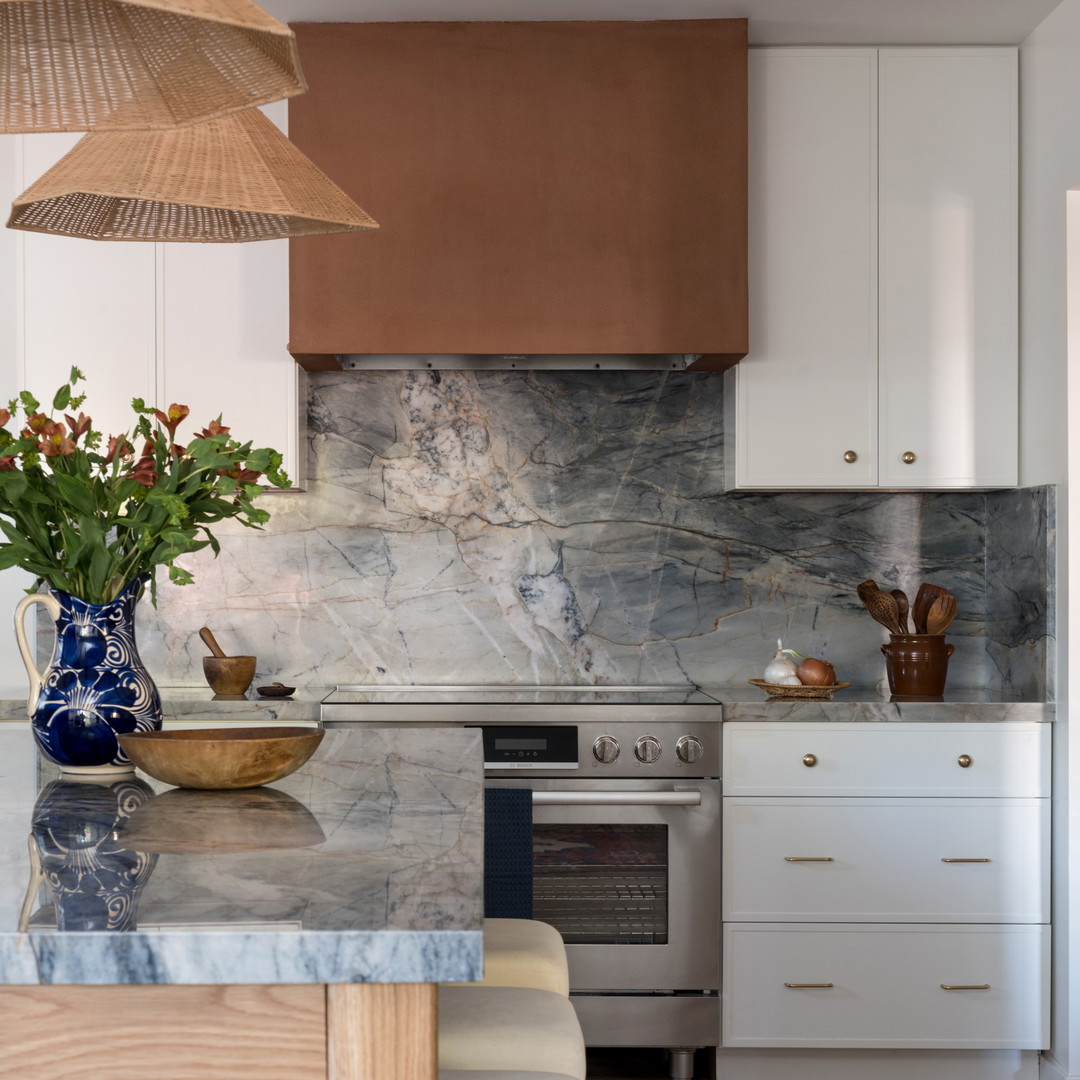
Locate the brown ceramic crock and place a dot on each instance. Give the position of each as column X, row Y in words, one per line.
column 917, row 664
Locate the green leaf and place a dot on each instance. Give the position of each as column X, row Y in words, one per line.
column 74, row 492
column 62, row 397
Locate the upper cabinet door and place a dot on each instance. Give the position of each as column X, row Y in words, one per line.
column 883, row 272
column 802, row 405
column 948, row 280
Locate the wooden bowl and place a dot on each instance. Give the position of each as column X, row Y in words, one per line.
column 275, row 690
column 229, row 676
column 219, row 758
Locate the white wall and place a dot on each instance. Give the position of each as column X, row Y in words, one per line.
column 1049, row 166
column 12, row 582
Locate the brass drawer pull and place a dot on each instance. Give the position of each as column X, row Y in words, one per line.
column 809, row 760
column 979, row 986
column 965, row 860
column 809, row 986
column 964, row 761
column 807, row 858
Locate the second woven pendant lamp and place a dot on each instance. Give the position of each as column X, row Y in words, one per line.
column 78, row 65
column 229, row 180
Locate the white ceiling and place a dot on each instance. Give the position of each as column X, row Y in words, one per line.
column 772, row 22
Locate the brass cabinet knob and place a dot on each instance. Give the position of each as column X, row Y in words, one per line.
column 850, row 457
column 907, row 457
column 809, row 760
column 965, row 986
column 964, row 761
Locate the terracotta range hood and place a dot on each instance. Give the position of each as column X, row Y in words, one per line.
column 548, row 193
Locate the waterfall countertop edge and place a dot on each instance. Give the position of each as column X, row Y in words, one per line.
column 365, row 865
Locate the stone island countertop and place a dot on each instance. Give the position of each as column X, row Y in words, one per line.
column 365, row 866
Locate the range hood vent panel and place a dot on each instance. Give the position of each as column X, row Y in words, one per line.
column 544, row 189
column 519, row 362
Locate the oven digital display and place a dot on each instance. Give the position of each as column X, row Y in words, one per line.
column 520, row 744
column 529, row 746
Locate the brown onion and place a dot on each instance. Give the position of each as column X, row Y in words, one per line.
column 813, row 672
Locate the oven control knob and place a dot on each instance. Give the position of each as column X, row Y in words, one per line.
column 689, row 749
column 648, row 749
column 606, row 749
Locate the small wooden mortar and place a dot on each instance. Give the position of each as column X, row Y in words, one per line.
column 229, row 676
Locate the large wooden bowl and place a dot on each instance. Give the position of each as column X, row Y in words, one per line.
column 217, row 758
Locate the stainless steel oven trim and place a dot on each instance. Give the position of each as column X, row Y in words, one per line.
column 616, row 798
column 691, row 959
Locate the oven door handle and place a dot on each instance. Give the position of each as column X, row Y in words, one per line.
column 616, row 798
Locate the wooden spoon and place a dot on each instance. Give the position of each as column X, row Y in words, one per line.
column 881, row 605
column 941, row 614
column 211, row 642
column 901, row 608
column 926, row 595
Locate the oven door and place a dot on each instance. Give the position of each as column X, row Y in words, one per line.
column 628, row 871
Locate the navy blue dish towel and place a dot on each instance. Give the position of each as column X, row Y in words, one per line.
column 508, row 853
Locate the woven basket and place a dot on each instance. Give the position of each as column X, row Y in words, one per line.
column 805, row 692
column 76, row 65
column 228, row 180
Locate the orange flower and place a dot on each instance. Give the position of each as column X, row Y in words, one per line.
column 211, row 429
column 7, row 464
column 118, row 445
column 144, row 472
column 243, row 476
column 5, row 416
column 38, row 424
column 78, row 427
column 171, row 420
column 55, row 443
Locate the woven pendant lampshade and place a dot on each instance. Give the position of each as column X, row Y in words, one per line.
column 77, row 65
column 225, row 181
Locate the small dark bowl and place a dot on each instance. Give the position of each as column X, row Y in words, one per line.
column 277, row 690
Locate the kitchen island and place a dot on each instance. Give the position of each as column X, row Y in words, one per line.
column 287, row 932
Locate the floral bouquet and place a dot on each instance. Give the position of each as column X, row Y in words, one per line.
column 88, row 520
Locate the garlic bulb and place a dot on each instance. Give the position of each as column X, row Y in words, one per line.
column 781, row 666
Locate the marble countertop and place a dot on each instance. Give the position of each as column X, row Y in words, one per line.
column 189, row 705
column 366, row 865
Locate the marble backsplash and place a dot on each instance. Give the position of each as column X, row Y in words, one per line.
column 567, row 527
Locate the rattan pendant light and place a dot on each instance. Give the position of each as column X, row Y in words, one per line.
column 77, row 65
column 228, row 180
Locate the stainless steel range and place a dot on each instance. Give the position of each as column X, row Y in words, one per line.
column 626, row 836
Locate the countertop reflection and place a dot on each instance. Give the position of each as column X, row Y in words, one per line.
column 363, row 866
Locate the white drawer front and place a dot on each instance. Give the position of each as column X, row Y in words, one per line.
column 1002, row 759
column 882, row 986
column 886, row 860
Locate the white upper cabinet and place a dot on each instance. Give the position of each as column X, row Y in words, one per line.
column 883, row 255
column 807, row 391
column 948, row 270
